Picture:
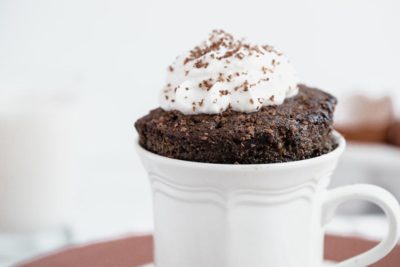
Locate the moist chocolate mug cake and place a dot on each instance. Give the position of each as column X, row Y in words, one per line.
column 227, row 101
column 239, row 156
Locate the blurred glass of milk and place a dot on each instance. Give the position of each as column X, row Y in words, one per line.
column 37, row 169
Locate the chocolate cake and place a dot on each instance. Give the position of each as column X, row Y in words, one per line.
column 300, row 128
column 232, row 102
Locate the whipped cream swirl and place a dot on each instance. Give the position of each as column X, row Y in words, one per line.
column 223, row 73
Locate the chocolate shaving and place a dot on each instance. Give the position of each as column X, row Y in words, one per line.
column 233, row 48
column 223, row 92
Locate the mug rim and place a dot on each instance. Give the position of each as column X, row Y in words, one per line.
column 297, row 163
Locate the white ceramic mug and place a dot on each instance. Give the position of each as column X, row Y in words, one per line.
column 261, row 215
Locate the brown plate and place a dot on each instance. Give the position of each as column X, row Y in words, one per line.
column 137, row 250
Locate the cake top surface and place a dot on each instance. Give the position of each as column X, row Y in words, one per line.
column 223, row 72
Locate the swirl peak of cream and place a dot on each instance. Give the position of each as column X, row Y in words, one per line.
column 224, row 72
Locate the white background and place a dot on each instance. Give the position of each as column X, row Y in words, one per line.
column 112, row 56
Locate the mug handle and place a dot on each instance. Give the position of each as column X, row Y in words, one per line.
column 381, row 198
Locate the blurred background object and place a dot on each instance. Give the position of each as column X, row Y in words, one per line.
column 370, row 127
column 37, row 170
column 365, row 119
column 361, row 118
column 393, row 135
column 112, row 57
